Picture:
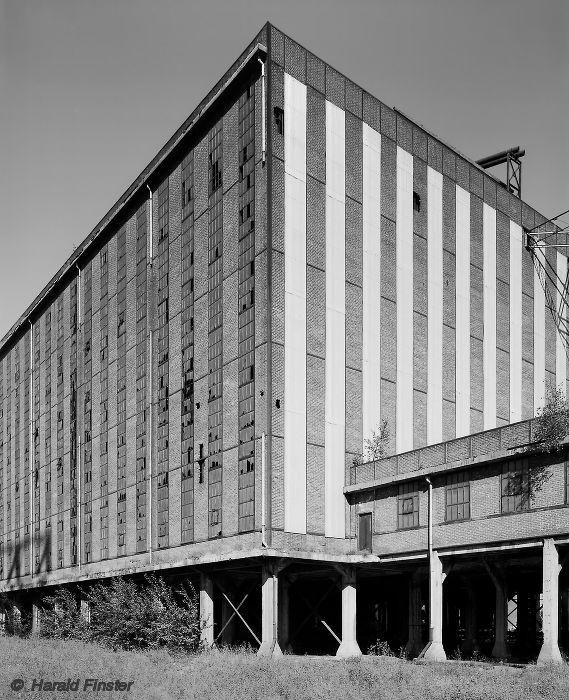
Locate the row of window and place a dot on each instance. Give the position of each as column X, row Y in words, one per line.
column 515, row 496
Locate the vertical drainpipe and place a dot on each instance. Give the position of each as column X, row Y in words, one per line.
column 430, row 552
column 77, row 404
column 263, row 113
column 149, row 440
column 267, row 128
column 31, row 449
column 263, row 489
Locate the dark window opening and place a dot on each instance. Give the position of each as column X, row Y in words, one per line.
column 364, row 532
column 279, row 120
column 416, row 201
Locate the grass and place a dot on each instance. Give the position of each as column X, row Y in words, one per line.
column 229, row 675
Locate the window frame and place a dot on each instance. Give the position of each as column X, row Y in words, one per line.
column 458, row 484
column 522, row 467
column 408, row 491
column 368, row 517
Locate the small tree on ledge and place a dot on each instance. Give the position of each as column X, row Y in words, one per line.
column 550, row 428
column 376, row 446
column 552, row 423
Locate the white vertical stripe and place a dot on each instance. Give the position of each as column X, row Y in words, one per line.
column 516, row 246
column 335, row 366
column 560, row 356
column 295, row 307
column 404, row 292
column 371, row 373
column 462, row 312
column 538, row 335
column 489, row 344
column 434, row 306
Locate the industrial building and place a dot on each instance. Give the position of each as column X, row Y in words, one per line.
column 191, row 392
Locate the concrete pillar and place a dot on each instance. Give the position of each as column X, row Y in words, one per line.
column 16, row 618
column 470, row 644
column 270, row 612
column 284, row 615
column 415, row 639
column 501, row 650
column 349, row 647
column 206, row 610
column 434, row 650
column 549, row 652
column 85, row 609
column 36, row 619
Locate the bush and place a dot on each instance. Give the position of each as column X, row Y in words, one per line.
column 61, row 617
column 380, row 648
column 127, row 615
column 148, row 616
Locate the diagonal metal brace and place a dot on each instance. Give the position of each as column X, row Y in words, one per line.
column 242, row 619
column 221, row 631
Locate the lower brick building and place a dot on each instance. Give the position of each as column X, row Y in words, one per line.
column 189, row 393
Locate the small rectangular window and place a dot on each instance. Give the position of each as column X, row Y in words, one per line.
column 416, row 201
column 515, row 486
column 408, row 505
column 365, row 532
column 458, row 496
column 279, row 120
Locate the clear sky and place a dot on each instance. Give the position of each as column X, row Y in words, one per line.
column 91, row 89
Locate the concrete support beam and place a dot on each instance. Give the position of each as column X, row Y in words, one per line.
column 85, row 608
column 434, row 650
column 415, row 640
column 349, row 647
column 269, row 612
column 206, row 610
column 470, row 644
column 549, row 652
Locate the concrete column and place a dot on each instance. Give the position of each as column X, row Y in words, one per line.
column 501, row 650
column 470, row 643
column 434, row 651
column 415, row 639
column 270, row 612
column 349, row 646
column 549, row 652
column 16, row 615
column 85, row 609
column 284, row 615
column 36, row 619
column 206, row 610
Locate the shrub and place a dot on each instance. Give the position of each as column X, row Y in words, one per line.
column 380, row 648
column 61, row 617
column 127, row 615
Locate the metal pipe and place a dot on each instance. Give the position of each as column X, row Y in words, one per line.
column 430, row 554
column 501, row 157
column 263, row 487
column 263, row 112
column 150, row 384
column 31, row 448
column 150, row 242
column 77, row 404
